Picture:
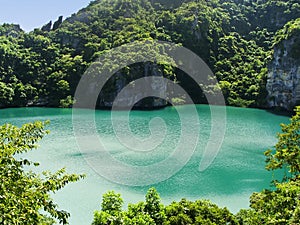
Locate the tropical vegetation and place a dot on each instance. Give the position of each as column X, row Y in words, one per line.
column 25, row 195
column 234, row 37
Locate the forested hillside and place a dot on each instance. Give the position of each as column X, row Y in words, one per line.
column 236, row 38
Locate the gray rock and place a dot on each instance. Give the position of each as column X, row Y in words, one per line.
column 128, row 99
column 283, row 82
column 47, row 27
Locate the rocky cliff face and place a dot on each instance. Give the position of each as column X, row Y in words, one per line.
column 283, row 84
column 11, row 30
column 127, row 98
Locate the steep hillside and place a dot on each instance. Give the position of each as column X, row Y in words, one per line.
column 284, row 70
column 236, row 38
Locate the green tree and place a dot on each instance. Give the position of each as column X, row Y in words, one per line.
column 282, row 204
column 140, row 219
column 136, row 215
column 249, row 217
column 25, row 195
column 111, row 212
column 6, row 94
column 112, row 202
column 152, row 212
column 153, row 207
column 287, row 149
column 198, row 212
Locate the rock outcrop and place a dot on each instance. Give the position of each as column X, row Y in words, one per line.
column 47, row 27
column 283, row 84
column 127, row 99
column 11, row 30
column 57, row 23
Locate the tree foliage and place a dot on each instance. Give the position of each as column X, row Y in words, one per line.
column 24, row 194
column 152, row 212
column 234, row 37
column 287, row 149
column 282, row 204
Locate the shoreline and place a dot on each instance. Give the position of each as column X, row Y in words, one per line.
column 274, row 110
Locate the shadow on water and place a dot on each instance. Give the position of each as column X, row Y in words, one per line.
column 280, row 112
column 80, row 154
column 77, row 154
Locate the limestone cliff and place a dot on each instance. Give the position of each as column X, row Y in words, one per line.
column 120, row 80
column 283, row 84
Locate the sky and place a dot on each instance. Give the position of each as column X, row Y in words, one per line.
column 32, row 14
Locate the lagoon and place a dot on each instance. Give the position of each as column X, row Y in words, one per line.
column 237, row 171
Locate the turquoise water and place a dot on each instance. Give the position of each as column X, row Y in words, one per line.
column 237, row 171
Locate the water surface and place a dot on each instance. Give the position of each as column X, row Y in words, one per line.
column 237, row 171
